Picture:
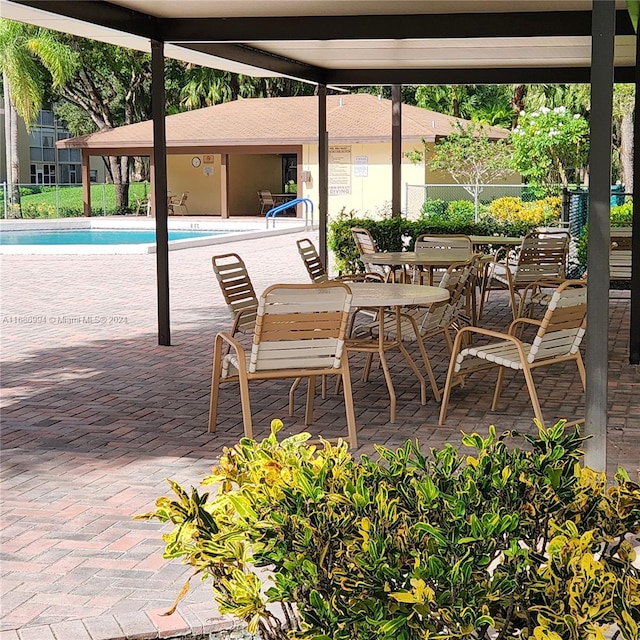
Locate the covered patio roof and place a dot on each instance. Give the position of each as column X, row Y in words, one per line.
column 335, row 43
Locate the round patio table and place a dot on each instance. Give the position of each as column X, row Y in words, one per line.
column 383, row 295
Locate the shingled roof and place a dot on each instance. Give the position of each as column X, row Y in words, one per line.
column 351, row 118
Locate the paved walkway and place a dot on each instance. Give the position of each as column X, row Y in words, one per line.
column 96, row 415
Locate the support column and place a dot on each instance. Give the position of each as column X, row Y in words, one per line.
column 224, row 185
column 597, row 356
column 634, row 329
column 86, row 183
column 323, row 173
column 396, row 150
column 159, row 181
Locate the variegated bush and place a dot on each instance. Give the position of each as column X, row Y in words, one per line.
column 510, row 537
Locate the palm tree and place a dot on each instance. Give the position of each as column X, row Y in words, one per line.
column 25, row 53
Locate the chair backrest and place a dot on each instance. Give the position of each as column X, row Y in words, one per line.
column 458, row 279
column 364, row 241
column 237, row 290
column 620, row 253
column 437, row 241
column 266, row 198
column 543, row 254
column 183, row 198
column 301, row 326
column 311, row 259
column 564, row 323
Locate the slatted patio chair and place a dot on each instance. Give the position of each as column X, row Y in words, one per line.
column 237, row 290
column 558, row 339
column 430, row 242
column 365, row 243
column 317, row 273
column 178, row 205
column 541, row 256
column 299, row 333
column 266, row 200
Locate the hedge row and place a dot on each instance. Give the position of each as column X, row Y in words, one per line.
column 396, row 234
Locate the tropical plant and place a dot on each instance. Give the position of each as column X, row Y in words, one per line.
column 551, row 146
column 30, row 58
column 512, row 538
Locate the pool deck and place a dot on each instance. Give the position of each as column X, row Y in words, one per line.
column 95, row 416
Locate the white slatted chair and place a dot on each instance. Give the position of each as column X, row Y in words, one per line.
column 366, row 244
column 558, row 339
column 317, row 271
column 458, row 243
column 299, row 333
column 237, row 290
column 542, row 256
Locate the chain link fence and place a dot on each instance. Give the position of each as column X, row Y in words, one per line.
column 418, row 194
column 62, row 200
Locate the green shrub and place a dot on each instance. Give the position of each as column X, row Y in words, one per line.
column 460, row 211
column 512, row 538
column 433, row 208
column 396, row 234
column 622, row 214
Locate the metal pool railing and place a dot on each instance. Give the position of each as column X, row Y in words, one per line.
column 308, row 212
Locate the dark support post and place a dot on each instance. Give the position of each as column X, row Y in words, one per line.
column 396, row 149
column 86, row 182
column 224, row 185
column 597, row 356
column 160, row 188
column 323, row 177
column 634, row 329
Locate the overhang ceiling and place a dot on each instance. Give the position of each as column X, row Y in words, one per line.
column 335, row 42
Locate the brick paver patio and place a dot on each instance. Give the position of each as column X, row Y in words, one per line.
column 96, row 415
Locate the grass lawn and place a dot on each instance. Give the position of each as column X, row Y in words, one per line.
column 66, row 201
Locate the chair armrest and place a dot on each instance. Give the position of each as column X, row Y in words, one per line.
column 238, row 316
column 231, row 341
column 486, row 332
column 517, row 321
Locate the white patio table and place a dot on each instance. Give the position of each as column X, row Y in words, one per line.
column 382, row 296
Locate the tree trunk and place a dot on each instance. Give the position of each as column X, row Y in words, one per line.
column 517, row 103
column 12, row 156
column 118, row 170
column 626, row 151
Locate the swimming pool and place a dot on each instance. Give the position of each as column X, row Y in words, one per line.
column 96, row 236
column 118, row 236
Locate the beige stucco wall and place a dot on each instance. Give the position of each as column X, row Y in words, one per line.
column 368, row 194
column 202, row 183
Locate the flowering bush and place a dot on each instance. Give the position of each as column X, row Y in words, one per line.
column 514, row 211
column 550, row 146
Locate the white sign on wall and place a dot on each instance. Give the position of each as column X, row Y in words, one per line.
column 361, row 166
column 340, row 170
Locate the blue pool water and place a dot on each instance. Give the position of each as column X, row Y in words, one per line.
column 95, row 236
